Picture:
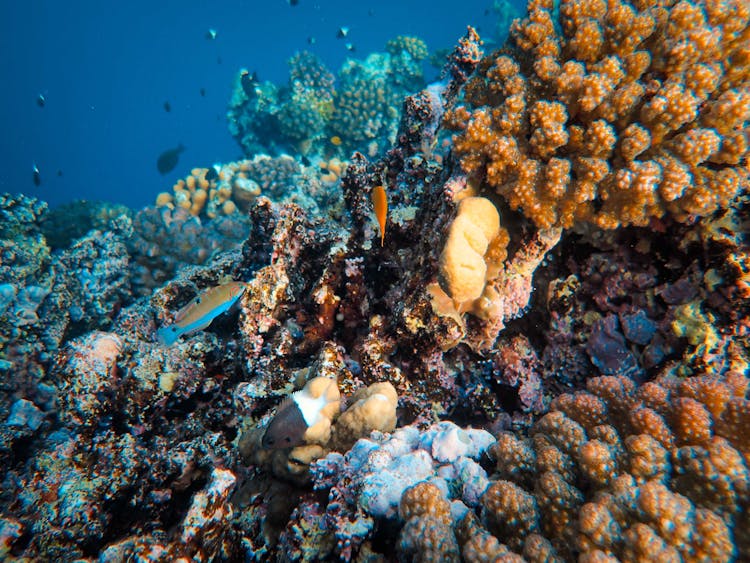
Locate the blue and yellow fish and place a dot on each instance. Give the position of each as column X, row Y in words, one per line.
column 203, row 309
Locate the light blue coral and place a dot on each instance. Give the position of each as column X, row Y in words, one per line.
column 383, row 467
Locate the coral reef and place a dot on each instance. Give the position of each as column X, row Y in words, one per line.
column 167, row 238
column 503, row 376
column 372, row 409
column 71, row 221
column 638, row 473
column 370, row 481
column 613, row 114
column 319, row 115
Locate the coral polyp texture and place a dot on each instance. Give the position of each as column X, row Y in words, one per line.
column 637, row 473
column 613, row 114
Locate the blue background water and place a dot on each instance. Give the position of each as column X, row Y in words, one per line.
column 106, row 68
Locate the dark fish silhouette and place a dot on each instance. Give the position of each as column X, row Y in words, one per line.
column 203, row 92
column 167, row 107
column 212, row 174
column 169, row 159
column 211, row 34
column 293, row 2
column 59, row 173
column 40, row 101
column 248, row 82
column 311, row 40
column 351, row 47
column 342, row 32
column 37, row 176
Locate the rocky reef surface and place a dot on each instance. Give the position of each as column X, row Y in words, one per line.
column 544, row 358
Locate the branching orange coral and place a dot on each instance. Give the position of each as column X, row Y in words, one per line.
column 625, row 473
column 622, row 113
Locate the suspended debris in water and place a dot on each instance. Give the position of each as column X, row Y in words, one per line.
column 169, row 159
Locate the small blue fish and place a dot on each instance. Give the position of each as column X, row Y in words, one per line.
column 203, row 309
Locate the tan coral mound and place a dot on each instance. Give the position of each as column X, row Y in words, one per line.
column 638, row 474
column 463, row 269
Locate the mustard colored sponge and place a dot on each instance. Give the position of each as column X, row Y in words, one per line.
column 463, row 269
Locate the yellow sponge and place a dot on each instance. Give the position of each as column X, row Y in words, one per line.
column 463, row 270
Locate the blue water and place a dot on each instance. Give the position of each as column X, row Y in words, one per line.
column 106, row 68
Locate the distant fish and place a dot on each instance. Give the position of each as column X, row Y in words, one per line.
column 218, row 60
column 211, row 34
column 351, row 47
column 380, row 205
column 311, row 40
column 293, row 2
column 169, row 159
column 336, row 140
column 203, row 309
column 203, row 92
column 40, row 100
column 167, row 106
column 37, row 176
column 248, row 82
column 59, row 173
column 211, row 174
column 342, row 32
column 317, row 401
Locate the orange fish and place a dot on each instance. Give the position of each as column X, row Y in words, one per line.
column 336, row 140
column 380, row 205
column 203, row 309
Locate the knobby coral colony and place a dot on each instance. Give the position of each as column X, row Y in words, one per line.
column 546, row 359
